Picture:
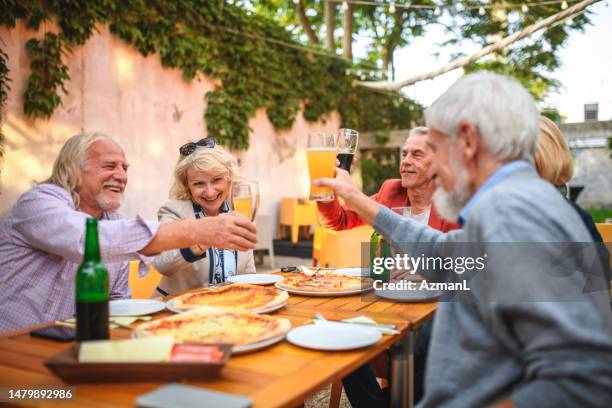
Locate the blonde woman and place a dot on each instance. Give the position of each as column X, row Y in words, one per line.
column 202, row 182
column 553, row 162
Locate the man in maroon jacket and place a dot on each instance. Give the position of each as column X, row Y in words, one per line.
column 414, row 189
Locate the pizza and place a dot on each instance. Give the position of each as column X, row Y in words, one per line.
column 323, row 282
column 240, row 296
column 213, row 325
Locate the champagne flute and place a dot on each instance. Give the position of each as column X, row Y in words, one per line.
column 254, row 184
column 245, row 198
column 242, row 198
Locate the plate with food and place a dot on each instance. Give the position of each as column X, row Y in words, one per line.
column 323, row 284
column 243, row 330
column 238, row 296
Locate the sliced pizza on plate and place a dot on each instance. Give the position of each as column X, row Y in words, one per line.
column 243, row 297
column 323, row 283
column 245, row 331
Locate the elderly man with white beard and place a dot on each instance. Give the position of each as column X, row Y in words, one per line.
column 527, row 334
column 42, row 236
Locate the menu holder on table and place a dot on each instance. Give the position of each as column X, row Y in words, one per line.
column 66, row 365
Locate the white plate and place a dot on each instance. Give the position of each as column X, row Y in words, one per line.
column 353, row 271
column 170, row 306
column 255, row 278
column 414, row 296
column 313, row 293
column 333, row 336
column 134, row 307
column 245, row 348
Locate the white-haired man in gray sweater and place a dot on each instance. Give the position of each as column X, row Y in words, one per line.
column 535, row 328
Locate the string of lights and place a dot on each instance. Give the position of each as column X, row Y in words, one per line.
column 546, row 23
column 482, row 7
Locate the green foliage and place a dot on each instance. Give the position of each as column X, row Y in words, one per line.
column 600, row 214
column 366, row 110
column 382, row 136
column 552, row 114
column 28, row 10
column 4, row 78
column 257, row 62
column 378, row 165
column 4, row 90
column 48, row 75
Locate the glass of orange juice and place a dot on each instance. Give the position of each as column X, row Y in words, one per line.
column 321, row 156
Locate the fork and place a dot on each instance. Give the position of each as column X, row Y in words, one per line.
column 319, row 316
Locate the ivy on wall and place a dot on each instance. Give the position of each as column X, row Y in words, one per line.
column 4, row 89
column 258, row 63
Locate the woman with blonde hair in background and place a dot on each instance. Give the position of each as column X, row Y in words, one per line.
column 553, row 161
column 203, row 178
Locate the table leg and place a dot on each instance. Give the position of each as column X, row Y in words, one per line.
column 402, row 372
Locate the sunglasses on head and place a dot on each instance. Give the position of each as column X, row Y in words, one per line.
column 189, row 148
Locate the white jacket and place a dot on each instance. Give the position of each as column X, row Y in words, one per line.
column 177, row 273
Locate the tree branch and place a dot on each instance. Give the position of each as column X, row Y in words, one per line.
column 299, row 9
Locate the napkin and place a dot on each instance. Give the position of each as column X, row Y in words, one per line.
column 121, row 320
column 145, row 350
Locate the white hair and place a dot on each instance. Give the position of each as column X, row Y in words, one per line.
column 503, row 111
column 419, row 130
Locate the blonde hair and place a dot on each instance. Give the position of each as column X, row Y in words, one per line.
column 215, row 160
column 70, row 162
column 552, row 156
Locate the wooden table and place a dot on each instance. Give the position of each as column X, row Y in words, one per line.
column 282, row 375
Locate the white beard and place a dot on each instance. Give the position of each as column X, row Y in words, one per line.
column 449, row 204
column 109, row 205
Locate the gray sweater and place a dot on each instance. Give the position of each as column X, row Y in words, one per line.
column 527, row 329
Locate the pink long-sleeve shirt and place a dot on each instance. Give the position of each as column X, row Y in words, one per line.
column 41, row 248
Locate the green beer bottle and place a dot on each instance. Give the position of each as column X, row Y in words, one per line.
column 92, row 290
column 379, row 248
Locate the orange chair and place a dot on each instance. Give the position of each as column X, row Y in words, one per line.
column 339, row 249
column 142, row 288
column 296, row 213
column 605, row 230
column 317, row 244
